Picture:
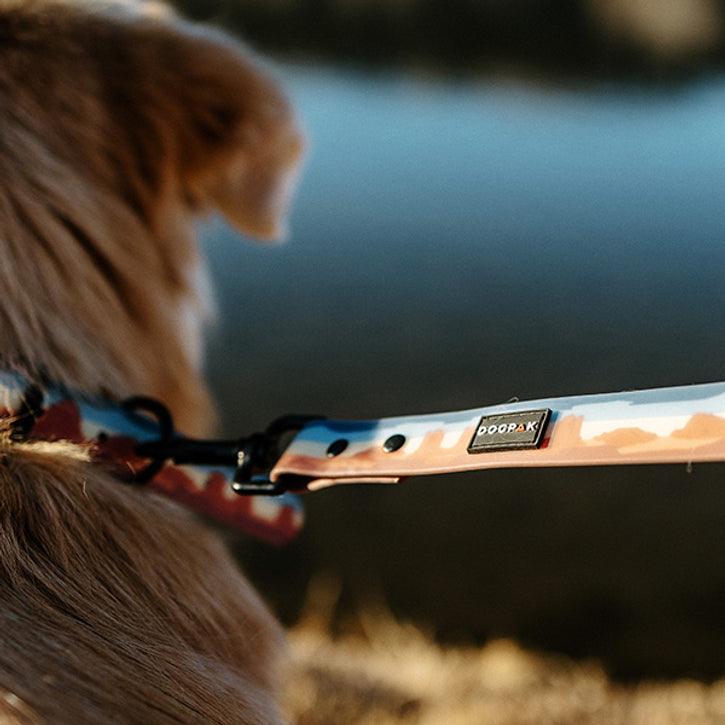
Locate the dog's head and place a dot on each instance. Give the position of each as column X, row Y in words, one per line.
column 119, row 122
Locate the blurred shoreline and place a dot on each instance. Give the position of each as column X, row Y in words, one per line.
column 425, row 210
column 597, row 209
column 389, row 672
column 659, row 41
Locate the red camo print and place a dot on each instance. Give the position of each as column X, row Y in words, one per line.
column 211, row 497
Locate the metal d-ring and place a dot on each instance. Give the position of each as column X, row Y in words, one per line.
column 166, row 433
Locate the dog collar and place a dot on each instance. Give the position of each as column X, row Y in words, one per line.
column 136, row 440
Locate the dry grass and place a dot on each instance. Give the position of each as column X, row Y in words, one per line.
column 383, row 671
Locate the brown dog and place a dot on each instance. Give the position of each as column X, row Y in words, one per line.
column 118, row 122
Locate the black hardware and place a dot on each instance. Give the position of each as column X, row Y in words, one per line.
column 261, row 451
column 30, row 410
column 253, row 456
column 166, row 435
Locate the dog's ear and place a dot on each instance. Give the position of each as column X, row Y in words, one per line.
column 221, row 133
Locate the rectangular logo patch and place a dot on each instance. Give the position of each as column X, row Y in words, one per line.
column 510, row 431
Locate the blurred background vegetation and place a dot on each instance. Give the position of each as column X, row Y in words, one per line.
column 567, row 155
column 654, row 40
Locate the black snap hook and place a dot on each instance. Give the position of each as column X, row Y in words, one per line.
column 252, row 457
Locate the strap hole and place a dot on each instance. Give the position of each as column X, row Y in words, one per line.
column 336, row 448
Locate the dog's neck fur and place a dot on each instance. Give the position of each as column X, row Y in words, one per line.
column 102, row 285
column 107, row 329
column 116, row 321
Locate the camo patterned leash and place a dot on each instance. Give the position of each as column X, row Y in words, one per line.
column 137, row 441
column 665, row 425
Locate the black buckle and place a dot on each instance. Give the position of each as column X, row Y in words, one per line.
column 253, row 456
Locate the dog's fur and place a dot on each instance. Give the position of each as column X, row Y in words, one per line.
column 118, row 122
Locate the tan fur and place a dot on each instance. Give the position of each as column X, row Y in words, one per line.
column 117, row 125
column 119, row 122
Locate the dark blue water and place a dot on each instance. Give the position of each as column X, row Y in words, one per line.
column 457, row 244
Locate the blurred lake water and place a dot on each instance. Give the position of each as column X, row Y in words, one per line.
column 457, row 243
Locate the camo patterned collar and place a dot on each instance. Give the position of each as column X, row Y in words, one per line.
column 116, row 435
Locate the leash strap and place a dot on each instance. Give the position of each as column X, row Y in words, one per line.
column 665, row 425
column 140, row 449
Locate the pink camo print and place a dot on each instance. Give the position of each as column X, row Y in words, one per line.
column 665, row 425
